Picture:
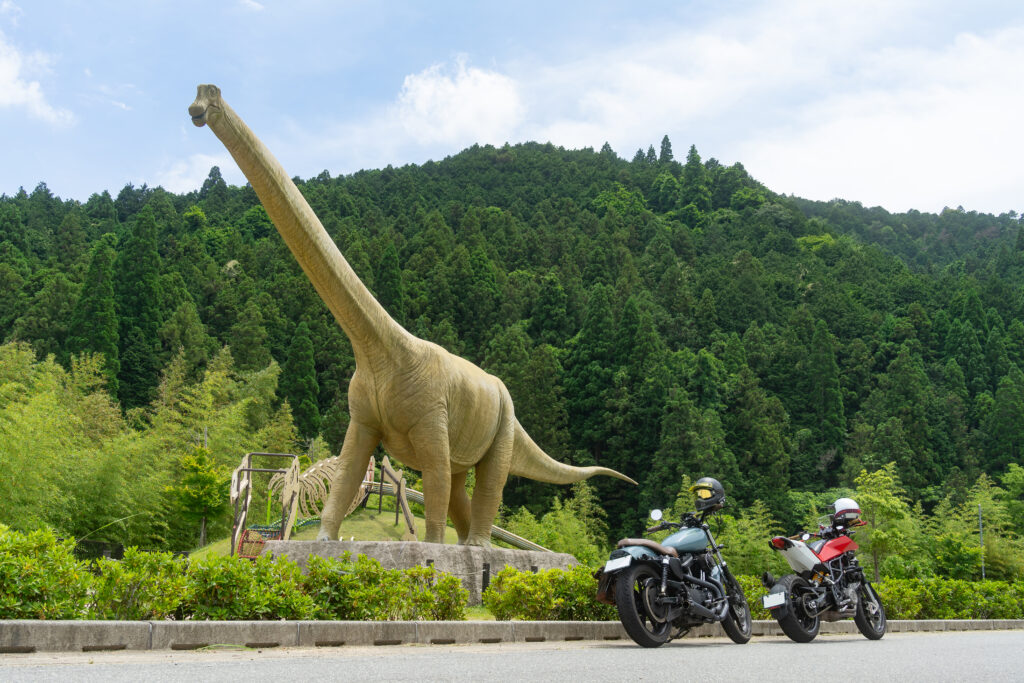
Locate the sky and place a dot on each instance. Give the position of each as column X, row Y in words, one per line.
column 904, row 104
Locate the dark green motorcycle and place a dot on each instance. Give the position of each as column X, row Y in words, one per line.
column 662, row 590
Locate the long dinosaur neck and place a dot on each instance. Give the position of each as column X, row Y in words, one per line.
column 368, row 326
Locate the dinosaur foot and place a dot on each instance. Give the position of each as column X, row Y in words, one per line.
column 480, row 542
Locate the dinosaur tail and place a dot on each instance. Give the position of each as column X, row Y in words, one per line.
column 528, row 460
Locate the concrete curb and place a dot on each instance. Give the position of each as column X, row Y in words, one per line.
column 25, row 635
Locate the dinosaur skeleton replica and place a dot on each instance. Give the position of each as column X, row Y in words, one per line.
column 433, row 411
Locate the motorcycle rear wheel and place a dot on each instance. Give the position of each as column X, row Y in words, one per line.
column 634, row 589
column 870, row 615
column 796, row 623
column 737, row 623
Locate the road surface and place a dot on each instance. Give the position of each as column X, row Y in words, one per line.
column 904, row 657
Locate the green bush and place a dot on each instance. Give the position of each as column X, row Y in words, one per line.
column 548, row 595
column 40, row 577
column 754, row 590
column 141, row 586
column 229, row 588
column 362, row 590
column 936, row 598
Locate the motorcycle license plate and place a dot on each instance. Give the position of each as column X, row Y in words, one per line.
column 617, row 563
column 773, row 600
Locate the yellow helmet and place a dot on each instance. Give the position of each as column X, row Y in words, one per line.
column 710, row 495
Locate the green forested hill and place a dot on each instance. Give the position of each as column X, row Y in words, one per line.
column 660, row 317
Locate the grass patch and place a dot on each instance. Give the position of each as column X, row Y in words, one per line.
column 478, row 613
column 365, row 524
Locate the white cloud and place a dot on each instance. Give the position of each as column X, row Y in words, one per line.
column 251, row 5
column 437, row 112
column 186, row 175
column 916, row 128
column 11, row 11
column 815, row 99
column 459, row 106
column 18, row 92
column 863, row 101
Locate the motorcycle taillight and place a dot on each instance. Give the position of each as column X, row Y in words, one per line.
column 778, row 542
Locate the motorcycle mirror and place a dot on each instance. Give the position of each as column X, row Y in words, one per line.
column 655, row 515
column 804, row 536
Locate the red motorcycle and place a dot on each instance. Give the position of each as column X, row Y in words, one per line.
column 828, row 582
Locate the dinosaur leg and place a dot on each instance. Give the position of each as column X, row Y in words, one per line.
column 458, row 506
column 430, row 440
column 491, row 475
column 360, row 441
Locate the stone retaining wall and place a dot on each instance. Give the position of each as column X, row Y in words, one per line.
column 472, row 564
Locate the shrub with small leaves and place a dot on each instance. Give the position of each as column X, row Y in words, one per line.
column 548, row 595
column 40, row 578
column 140, row 586
column 754, row 590
column 232, row 588
column 362, row 590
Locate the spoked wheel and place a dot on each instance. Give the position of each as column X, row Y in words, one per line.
column 636, row 592
column 870, row 615
column 737, row 623
column 797, row 623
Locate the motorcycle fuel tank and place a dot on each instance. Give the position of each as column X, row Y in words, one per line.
column 687, row 540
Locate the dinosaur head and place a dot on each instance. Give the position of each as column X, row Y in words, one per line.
column 207, row 99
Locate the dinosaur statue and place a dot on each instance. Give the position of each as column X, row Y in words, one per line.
column 434, row 411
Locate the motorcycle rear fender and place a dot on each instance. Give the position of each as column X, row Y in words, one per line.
column 783, row 609
column 640, row 552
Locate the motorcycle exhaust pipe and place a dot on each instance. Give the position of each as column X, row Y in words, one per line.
column 701, row 610
column 715, row 586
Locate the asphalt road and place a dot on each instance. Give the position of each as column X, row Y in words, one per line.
column 905, row 657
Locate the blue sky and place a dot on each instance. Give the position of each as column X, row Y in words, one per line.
column 898, row 103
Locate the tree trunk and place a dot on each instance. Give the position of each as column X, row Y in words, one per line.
column 202, row 532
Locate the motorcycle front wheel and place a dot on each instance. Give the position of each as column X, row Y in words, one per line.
column 737, row 623
column 870, row 615
column 636, row 590
column 797, row 624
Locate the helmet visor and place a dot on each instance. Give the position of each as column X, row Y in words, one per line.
column 703, row 492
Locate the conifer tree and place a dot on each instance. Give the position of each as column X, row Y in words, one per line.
column 588, row 376
column 298, row 383
column 666, row 151
column 824, row 396
column 137, row 291
column 94, row 323
column 695, row 183
column 388, row 280
column 248, row 339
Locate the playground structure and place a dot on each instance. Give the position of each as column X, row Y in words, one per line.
column 306, row 493
column 250, row 544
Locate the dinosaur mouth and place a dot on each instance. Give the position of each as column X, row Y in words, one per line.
column 200, row 118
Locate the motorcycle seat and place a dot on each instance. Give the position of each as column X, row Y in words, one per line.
column 653, row 545
column 816, row 546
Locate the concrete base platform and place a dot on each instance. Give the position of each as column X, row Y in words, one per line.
column 472, row 564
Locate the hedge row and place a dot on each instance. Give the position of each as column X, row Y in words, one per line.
column 931, row 598
column 569, row 595
column 41, row 579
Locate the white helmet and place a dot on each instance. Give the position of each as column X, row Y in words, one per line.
column 845, row 511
